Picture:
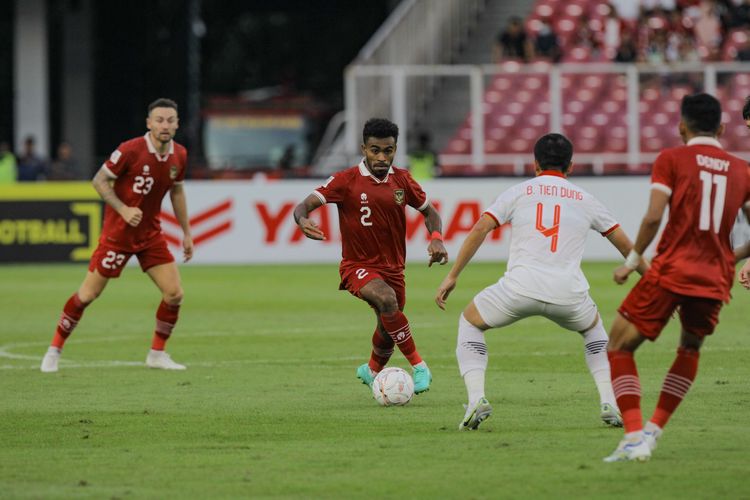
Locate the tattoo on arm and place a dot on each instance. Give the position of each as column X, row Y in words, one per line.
column 102, row 186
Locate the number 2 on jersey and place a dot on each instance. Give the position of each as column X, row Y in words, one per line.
column 548, row 231
column 707, row 178
column 365, row 219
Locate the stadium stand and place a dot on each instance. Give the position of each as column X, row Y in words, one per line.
column 516, row 101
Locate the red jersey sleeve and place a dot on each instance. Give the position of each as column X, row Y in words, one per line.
column 182, row 155
column 334, row 189
column 662, row 173
column 415, row 196
column 118, row 160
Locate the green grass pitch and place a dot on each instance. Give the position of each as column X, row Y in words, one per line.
column 270, row 407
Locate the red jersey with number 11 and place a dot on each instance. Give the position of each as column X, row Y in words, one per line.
column 707, row 187
column 372, row 214
column 141, row 179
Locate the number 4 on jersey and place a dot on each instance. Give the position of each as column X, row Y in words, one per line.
column 551, row 231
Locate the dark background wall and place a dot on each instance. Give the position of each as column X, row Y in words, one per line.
column 140, row 53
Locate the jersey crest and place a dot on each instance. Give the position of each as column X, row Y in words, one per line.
column 399, row 196
column 173, row 172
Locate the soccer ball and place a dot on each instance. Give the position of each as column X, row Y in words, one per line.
column 393, row 387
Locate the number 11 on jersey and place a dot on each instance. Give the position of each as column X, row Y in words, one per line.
column 548, row 231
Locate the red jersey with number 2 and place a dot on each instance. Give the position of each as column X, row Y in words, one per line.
column 372, row 214
column 707, row 187
column 141, row 179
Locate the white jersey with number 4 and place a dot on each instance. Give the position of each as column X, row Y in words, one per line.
column 550, row 218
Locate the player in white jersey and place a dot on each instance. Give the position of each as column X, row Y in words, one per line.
column 550, row 219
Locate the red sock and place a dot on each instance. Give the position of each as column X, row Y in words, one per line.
column 676, row 384
column 627, row 388
column 166, row 317
column 397, row 327
column 71, row 315
column 382, row 349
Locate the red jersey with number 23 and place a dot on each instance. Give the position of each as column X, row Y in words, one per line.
column 706, row 186
column 141, row 179
column 372, row 214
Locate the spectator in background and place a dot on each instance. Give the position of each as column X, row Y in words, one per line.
column 708, row 29
column 628, row 10
column 64, row 167
column 423, row 162
column 31, row 167
column 546, row 44
column 743, row 52
column 584, row 36
column 513, row 43
column 8, row 169
column 286, row 162
column 742, row 15
column 612, row 30
column 628, row 50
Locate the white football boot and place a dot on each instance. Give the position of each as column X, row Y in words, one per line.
column 610, row 415
column 475, row 415
column 631, row 449
column 50, row 360
column 162, row 360
column 651, row 436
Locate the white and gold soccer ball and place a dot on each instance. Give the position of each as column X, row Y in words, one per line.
column 393, row 387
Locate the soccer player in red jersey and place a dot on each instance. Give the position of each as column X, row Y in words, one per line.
column 744, row 252
column 371, row 200
column 692, row 272
column 133, row 183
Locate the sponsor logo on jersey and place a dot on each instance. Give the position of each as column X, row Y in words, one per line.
column 363, row 197
column 173, row 172
column 115, row 156
column 398, row 195
column 146, row 170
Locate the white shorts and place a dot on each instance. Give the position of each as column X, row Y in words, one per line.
column 498, row 307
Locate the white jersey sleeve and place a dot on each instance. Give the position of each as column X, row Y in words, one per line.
column 602, row 219
column 503, row 207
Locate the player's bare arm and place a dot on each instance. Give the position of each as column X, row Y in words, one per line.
column 436, row 250
column 102, row 184
column 471, row 244
column 308, row 227
column 622, row 243
column 179, row 205
column 649, row 227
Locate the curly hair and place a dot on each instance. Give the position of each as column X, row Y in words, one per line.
column 379, row 128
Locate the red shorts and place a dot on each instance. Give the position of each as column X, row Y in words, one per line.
column 354, row 277
column 110, row 261
column 649, row 306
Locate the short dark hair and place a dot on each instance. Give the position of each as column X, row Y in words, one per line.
column 162, row 102
column 701, row 113
column 553, row 151
column 380, row 128
column 746, row 109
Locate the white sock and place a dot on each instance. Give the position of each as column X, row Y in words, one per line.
column 474, row 380
column 54, row 349
column 471, row 353
column 595, row 351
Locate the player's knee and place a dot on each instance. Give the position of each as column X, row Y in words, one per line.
column 173, row 296
column 386, row 302
column 88, row 295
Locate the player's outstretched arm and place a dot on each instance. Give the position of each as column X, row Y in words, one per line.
column 471, row 244
column 646, row 234
column 101, row 183
column 622, row 243
column 179, row 205
column 436, row 250
column 301, row 213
